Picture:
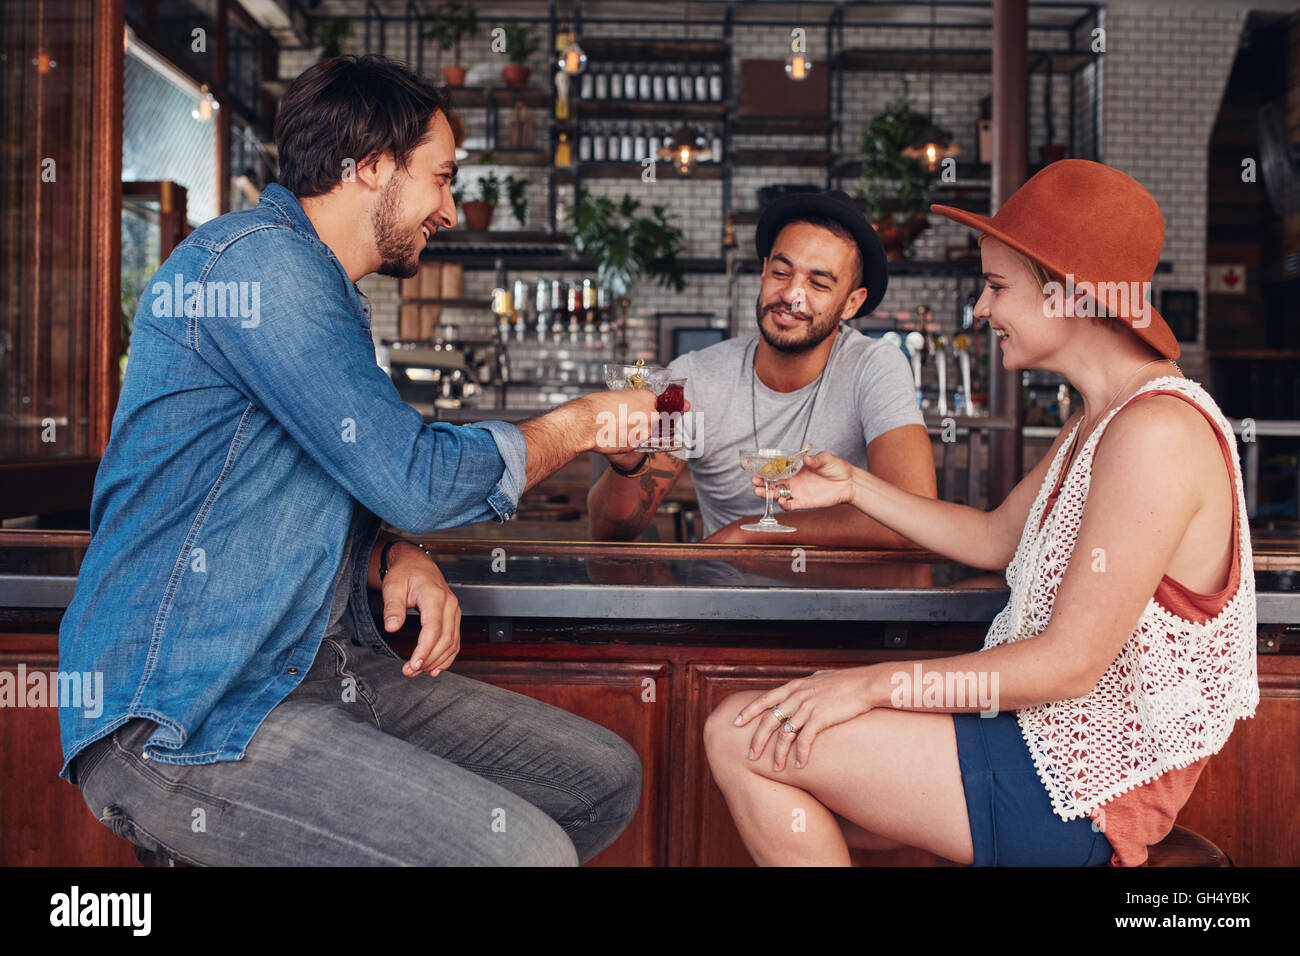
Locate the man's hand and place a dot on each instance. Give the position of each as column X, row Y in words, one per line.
column 415, row 581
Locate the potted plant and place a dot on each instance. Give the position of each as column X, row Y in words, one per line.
column 449, row 25
column 627, row 245
column 329, row 34
column 895, row 190
column 521, row 44
column 478, row 211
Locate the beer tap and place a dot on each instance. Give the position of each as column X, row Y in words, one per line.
column 915, row 342
column 961, row 346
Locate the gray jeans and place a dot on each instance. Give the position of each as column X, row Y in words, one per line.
column 361, row 765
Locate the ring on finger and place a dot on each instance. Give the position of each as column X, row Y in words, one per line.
column 784, row 491
column 789, row 728
column 780, row 717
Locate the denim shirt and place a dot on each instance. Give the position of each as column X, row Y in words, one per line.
column 253, row 423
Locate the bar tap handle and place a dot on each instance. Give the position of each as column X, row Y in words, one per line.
column 915, row 342
column 941, row 363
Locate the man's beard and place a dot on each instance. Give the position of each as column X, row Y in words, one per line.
column 395, row 255
column 816, row 332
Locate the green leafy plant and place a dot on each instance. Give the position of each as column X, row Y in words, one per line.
column 330, row 33
column 627, row 244
column 489, row 189
column 521, row 43
column 886, row 173
column 450, row 25
column 515, row 192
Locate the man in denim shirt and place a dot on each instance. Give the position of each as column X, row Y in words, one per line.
column 252, row 713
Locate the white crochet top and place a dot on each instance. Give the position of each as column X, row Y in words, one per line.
column 1177, row 687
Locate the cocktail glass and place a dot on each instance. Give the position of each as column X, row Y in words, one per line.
column 619, row 376
column 772, row 465
column 671, row 401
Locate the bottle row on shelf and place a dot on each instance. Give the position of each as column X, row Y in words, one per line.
column 555, row 310
column 624, row 143
column 653, row 82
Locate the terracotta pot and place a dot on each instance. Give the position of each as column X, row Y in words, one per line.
column 516, row 75
column 478, row 215
column 454, row 75
column 898, row 237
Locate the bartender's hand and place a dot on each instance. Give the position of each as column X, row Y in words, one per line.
column 810, row 704
column 823, row 482
column 415, row 581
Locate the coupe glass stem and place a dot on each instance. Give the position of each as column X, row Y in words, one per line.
column 767, row 516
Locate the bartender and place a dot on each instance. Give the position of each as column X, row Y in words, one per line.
column 805, row 378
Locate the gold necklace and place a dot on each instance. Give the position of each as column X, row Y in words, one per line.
column 1084, row 421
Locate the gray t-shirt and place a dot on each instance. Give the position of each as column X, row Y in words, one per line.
column 868, row 391
column 337, row 627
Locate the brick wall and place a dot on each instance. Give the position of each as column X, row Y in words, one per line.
column 1162, row 76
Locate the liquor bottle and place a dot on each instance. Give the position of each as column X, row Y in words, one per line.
column 543, row 310
column 603, row 311
column 584, row 147
column 657, row 84
column 671, row 88
column 643, row 86
column 588, row 307
column 715, row 146
column 563, row 154
column 653, row 142
column 715, row 82
column 563, row 86
column 597, row 144
column 625, row 145
column 612, row 143
column 585, row 85
column 701, row 86
column 685, row 85
column 557, row 308
column 574, row 309
column 601, row 81
column 630, row 82
column 639, row 144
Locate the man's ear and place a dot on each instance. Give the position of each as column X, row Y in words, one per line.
column 370, row 171
column 853, row 303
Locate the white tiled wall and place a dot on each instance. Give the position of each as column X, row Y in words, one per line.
column 1162, row 76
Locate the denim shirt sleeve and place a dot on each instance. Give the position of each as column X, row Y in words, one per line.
column 514, row 452
column 306, row 358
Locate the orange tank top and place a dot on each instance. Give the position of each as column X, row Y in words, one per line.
column 1143, row 816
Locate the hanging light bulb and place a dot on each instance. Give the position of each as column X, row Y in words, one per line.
column 931, row 147
column 797, row 66
column 573, row 60
column 43, row 62
column 207, row 105
column 683, row 152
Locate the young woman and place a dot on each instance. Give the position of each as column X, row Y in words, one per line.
column 1127, row 650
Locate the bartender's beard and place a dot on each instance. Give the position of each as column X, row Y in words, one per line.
column 398, row 254
column 795, row 341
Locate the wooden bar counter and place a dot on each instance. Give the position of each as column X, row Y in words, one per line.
column 646, row 640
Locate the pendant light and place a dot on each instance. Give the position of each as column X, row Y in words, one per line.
column 797, row 64
column 684, row 151
column 932, row 144
column 573, row 59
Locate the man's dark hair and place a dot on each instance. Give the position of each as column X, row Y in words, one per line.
column 838, row 228
column 350, row 107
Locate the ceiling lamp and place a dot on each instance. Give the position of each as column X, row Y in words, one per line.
column 573, row 60
column 933, row 144
column 207, row 105
column 684, row 151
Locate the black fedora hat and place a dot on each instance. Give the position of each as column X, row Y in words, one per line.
column 835, row 205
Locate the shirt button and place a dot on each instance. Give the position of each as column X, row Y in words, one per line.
column 293, row 670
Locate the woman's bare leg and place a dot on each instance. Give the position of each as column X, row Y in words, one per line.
column 892, row 774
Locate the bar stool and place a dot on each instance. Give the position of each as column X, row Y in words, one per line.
column 1184, row 847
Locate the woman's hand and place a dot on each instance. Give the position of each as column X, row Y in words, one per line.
column 823, row 482
column 415, row 581
column 810, row 704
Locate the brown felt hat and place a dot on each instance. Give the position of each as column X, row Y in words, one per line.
column 1091, row 225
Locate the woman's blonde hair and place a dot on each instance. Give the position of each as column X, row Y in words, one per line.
column 1038, row 272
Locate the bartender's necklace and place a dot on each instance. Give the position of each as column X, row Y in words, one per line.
column 753, row 397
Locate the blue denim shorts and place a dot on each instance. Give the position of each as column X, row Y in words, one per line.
column 1011, row 817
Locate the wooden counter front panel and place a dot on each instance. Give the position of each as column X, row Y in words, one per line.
column 628, row 697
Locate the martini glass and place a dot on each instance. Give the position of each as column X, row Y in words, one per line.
column 618, row 376
column 770, row 464
column 671, row 400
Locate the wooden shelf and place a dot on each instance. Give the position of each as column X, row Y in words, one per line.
column 450, row 303
column 463, row 97
column 758, row 125
column 780, row 157
column 641, row 109
column 897, row 267
column 507, row 157
column 657, row 50
column 953, row 61
column 620, row 170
